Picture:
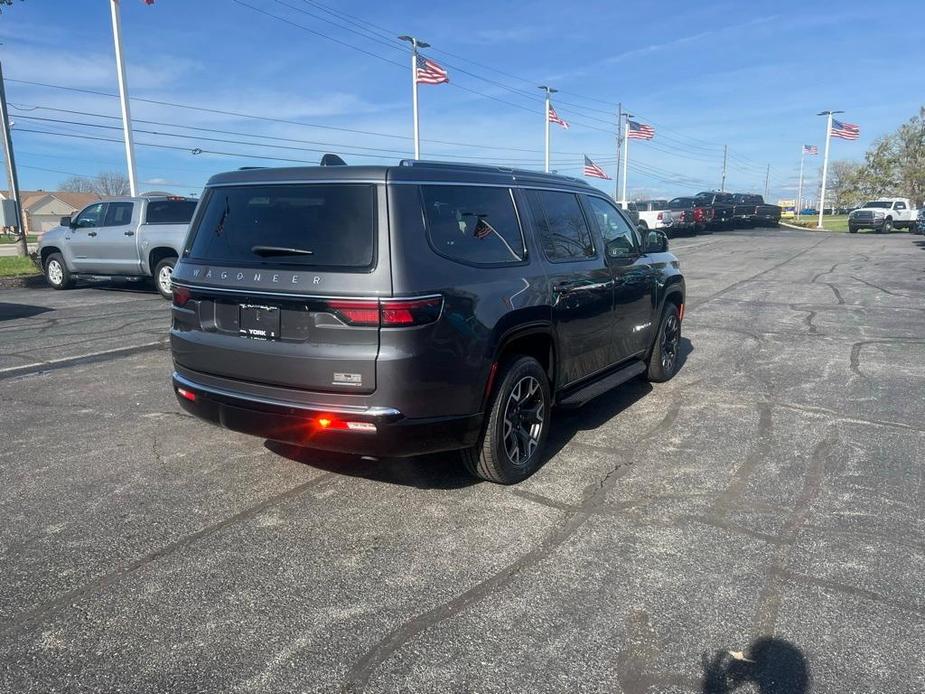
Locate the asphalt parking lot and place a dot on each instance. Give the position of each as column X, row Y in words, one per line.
column 767, row 502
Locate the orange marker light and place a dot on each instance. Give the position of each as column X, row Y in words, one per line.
column 324, row 422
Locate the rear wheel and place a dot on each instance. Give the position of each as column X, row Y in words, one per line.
column 512, row 445
column 663, row 360
column 56, row 272
column 163, row 272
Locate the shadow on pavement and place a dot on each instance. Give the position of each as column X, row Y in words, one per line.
column 11, row 311
column 769, row 666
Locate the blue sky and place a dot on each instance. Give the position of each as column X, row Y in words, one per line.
column 749, row 74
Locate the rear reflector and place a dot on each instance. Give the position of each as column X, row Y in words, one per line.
column 332, row 423
column 186, row 394
column 388, row 313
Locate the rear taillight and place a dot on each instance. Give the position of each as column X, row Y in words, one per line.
column 181, row 295
column 659, row 218
column 387, row 313
column 698, row 214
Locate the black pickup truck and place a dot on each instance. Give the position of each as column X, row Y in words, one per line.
column 750, row 209
column 721, row 204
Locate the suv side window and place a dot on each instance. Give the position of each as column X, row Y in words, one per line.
column 619, row 238
column 473, row 224
column 118, row 214
column 900, row 205
column 90, row 216
column 563, row 232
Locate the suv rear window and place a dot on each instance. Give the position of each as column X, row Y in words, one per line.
column 314, row 225
column 473, row 224
column 170, row 211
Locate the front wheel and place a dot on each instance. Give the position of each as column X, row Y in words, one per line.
column 56, row 272
column 887, row 227
column 663, row 360
column 852, row 229
column 163, row 272
column 512, row 444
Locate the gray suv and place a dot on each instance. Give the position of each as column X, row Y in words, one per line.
column 395, row 311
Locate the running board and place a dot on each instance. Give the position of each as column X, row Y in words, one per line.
column 601, row 386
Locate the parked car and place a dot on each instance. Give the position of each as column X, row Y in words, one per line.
column 721, row 205
column 682, row 215
column 631, row 211
column 883, row 215
column 128, row 237
column 920, row 223
column 393, row 311
column 750, row 209
column 652, row 213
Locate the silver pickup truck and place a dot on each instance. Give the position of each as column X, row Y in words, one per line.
column 127, row 237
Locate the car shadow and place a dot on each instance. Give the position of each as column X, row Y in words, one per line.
column 768, row 666
column 445, row 470
column 13, row 311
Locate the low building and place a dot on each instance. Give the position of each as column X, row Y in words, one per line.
column 44, row 209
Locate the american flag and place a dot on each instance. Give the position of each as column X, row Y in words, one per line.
column 592, row 169
column 554, row 118
column 640, row 131
column 846, row 131
column 810, row 149
column 428, row 72
column 483, row 229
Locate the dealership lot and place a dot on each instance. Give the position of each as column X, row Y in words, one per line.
column 768, row 500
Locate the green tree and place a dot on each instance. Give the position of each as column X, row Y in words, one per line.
column 895, row 164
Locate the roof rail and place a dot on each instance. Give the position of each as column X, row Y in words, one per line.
column 488, row 168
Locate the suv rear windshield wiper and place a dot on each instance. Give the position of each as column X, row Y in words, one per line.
column 266, row 251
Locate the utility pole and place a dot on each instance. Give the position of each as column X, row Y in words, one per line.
column 616, row 181
column 11, row 169
column 626, row 155
column 123, row 97
column 548, row 91
column 767, row 180
column 415, row 44
column 722, row 186
column 825, row 161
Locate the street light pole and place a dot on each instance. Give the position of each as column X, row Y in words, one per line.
column 626, row 155
column 123, row 97
column 722, row 185
column 548, row 91
column 616, row 182
column 767, row 181
column 415, row 44
column 825, row 161
column 800, row 189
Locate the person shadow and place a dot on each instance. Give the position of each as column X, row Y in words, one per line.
column 769, row 665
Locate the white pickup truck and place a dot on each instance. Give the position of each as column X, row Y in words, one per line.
column 883, row 215
column 127, row 237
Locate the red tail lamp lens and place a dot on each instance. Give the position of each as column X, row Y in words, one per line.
column 181, row 295
column 186, row 394
column 410, row 311
column 356, row 312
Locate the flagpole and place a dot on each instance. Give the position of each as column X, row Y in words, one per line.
column 616, row 182
column 825, row 161
column 548, row 90
column 626, row 154
column 123, row 97
column 415, row 44
column 800, row 189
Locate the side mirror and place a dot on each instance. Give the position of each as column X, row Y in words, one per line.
column 65, row 221
column 656, row 242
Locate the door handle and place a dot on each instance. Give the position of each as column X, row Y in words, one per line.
column 91, row 233
column 128, row 233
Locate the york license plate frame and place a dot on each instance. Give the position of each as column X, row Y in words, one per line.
column 259, row 321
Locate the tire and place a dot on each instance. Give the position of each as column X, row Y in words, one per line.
column 499, row 457
column 852, row 229
column 708, row 229
column 162, row 272
column 887, row 226
column 56, row 273
column 663, row 359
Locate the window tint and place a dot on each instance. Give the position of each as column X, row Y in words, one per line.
column 170, row 211
column 90, row 216
column 619, row 239
column 326, row 225
column 473, row 224
column 118, row 214
column 561, row 225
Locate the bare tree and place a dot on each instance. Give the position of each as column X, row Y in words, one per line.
column 106, row 183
